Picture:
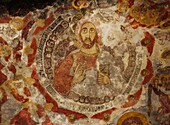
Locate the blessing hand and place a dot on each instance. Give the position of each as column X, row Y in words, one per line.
column 79, row 74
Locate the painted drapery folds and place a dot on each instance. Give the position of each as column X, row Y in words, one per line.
column 85, row 62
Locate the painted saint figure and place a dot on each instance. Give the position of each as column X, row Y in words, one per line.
column 88, row 71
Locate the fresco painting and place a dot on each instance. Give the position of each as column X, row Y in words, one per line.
column 85, row 62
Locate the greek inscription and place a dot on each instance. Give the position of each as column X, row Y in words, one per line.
column 51, row 90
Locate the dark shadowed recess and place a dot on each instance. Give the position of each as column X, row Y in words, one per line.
column 22, row 7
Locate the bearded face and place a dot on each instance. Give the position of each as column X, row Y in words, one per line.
column 88, row 35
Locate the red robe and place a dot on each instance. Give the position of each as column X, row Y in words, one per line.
column 63, row 77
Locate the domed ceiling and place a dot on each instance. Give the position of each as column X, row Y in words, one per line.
column 85, row 62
